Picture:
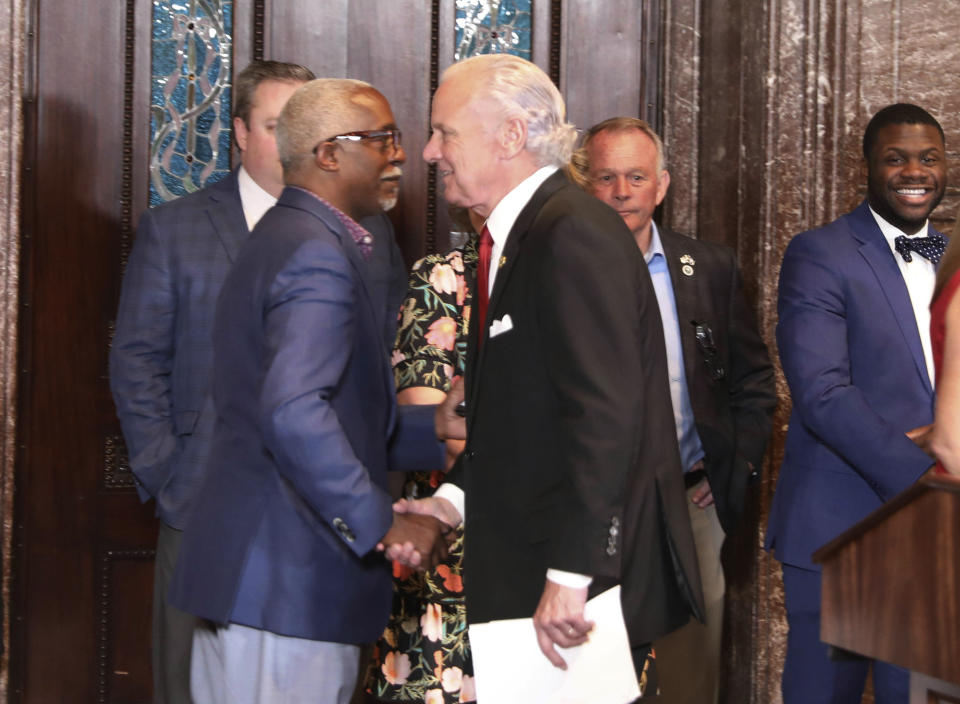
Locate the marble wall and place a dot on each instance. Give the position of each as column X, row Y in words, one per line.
column 764, row 109
column 13, row 33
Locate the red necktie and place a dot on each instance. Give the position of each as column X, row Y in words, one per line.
column 483, row 281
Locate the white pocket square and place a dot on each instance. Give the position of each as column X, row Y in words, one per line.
column 498, row 327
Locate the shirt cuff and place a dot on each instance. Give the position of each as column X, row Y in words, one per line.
column 568, row 579
column 453, row 494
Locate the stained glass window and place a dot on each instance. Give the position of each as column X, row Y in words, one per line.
column 492, row 27
column 189, row 96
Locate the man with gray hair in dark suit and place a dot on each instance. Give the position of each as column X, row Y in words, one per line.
column 570, row 480
column 721, row 379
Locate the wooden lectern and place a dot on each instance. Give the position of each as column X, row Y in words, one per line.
column 891, row 584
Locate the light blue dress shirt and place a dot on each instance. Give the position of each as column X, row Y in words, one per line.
column 691, row 451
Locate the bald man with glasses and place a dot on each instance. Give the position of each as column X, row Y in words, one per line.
column 281, row 557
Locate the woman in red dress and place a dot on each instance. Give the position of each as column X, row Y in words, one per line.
column 945, row 339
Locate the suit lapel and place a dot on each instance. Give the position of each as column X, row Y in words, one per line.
column 471, row 361
column 687, row 293
column 876, row 251
column 226, row 215
column 504, row 269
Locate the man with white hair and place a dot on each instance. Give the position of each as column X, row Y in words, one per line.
column 280, row 555
column 570, row 480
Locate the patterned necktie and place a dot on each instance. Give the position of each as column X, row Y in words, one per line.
column 483, row 280
column 930, row 247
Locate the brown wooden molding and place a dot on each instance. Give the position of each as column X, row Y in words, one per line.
column 430, row 236
column 556, row 39
column 108, row 562
column 126, row 167
column 116, row 465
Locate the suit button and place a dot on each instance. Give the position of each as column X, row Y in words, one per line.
column 344, row 530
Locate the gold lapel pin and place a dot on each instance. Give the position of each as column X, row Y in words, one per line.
column 503, row 260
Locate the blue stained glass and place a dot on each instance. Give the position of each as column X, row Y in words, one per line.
column 492, row 27
column 189, row 96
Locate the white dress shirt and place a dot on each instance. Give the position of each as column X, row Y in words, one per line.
column 499, row 224
column 253, row 198
column 920, row 276
column 506, row 212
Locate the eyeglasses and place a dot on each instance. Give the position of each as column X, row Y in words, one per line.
column 711, row 357
column 387, row 137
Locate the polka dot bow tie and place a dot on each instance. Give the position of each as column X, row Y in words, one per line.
column 930, row 247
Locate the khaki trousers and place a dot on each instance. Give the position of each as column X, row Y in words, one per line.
column 688, row 660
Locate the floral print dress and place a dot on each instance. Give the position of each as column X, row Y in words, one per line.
column 423, row 654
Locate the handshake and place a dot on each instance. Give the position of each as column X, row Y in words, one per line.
column 421, row 532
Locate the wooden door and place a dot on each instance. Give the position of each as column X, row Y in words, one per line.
column 82, row 562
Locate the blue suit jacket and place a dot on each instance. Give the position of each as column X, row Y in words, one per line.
column 162, row 354
column 295, row 499
column 851, row 353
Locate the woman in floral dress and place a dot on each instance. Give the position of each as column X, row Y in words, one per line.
column 423, row 654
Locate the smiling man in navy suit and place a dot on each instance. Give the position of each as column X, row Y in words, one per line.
column 854, row 339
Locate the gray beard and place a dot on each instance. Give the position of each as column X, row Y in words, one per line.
column 387, row 203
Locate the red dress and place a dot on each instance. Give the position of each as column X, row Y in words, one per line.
column 938, row 327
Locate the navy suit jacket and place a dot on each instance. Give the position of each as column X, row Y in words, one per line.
column 295, row 497
column 161, row 354
column 732, row 413
column 851, row 353
column 161, row 357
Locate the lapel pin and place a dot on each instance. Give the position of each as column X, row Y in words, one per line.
column 503, row 260
column 688, row 263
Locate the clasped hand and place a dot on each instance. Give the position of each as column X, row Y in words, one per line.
column 433, row 520
column 417, row 541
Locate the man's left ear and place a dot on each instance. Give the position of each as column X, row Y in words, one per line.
column 326, row 157
column 663, row 183
column 513, row 136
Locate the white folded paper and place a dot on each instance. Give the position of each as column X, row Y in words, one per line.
column 509, row 666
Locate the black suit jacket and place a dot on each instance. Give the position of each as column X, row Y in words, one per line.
column 733, row 408
column 571, row 460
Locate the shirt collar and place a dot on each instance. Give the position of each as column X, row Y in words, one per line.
column 253, row 198
column 506, row 212
column 656, row 246
column 890, row 232
column 360, row 235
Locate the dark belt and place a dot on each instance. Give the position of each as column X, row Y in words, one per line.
column 693, row 478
